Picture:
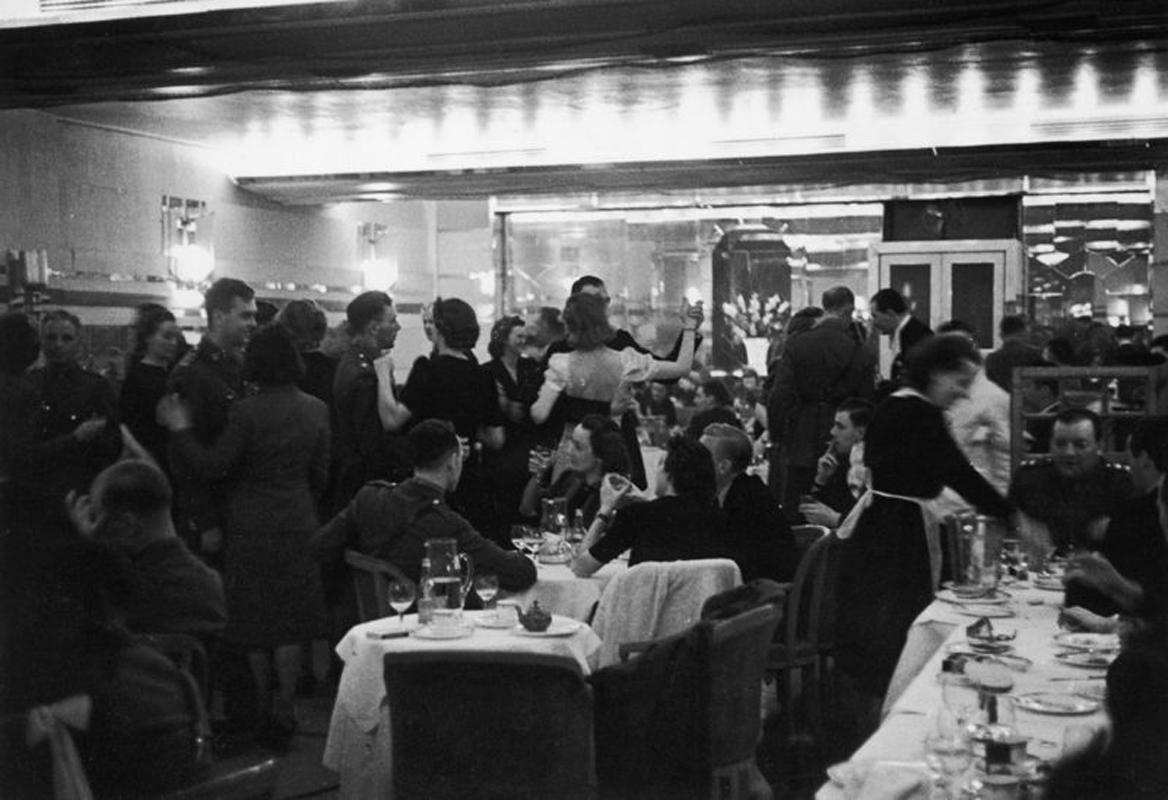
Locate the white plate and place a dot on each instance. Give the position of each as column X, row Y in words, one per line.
column 978, row 610
column 1049, row 584
column 429, row 632
column 1086, row 660
column 1056, row 703
column 493, row 621
column 559, row 627
column 1093, row 642
column 949, row 596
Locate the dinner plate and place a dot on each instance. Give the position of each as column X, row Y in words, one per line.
column 1086, row 660
column 1056, row 703
column 493, row 621
column 1049, row 583
column 1093, row 642
column 430, row 632
column 559, row 627
column 980, row 648
column 988, row 611
column 992, row 599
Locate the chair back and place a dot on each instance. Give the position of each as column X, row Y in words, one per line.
column 656, row 599
column 737, row 660
column 811, row 605
column 187, row 653
column 371, row 577
column 807, row 535
column 489, row 724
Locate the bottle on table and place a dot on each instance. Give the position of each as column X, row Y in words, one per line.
column 426, row 594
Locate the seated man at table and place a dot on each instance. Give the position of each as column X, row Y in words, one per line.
column 840, row 475
column 755, row 530
column 394, row 523
column 1074, row 491
column 129, row 509
column 682, row 523
column 1127, row 571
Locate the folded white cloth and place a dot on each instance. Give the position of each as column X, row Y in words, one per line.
column 53, row 722
column 882, row 780
column 656, row 599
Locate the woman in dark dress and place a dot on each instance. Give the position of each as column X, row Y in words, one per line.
column 516, row 379
column 683, row 523
column 156, row 342
column 449, row 384
column 276, row 447
column 889, row 563
column 596, row 449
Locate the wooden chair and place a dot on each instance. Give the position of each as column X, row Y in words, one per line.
column 187, row 653
column 807, row 535
column 243, row 778
column 808, row 641
column 371, row 577
column 682, row 719
column 489, row 724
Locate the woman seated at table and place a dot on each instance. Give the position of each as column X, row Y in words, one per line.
column 595, row 449
column 890, row 562
column 682, row 523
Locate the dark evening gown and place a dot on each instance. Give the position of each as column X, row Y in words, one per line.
column 508, row 467
column 884, row 578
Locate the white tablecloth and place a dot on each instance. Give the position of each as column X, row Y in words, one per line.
column 911, row 707
column 359, row 744
column 561, row 592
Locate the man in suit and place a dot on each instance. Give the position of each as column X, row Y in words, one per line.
column 820, row 369
column 1014, row 352
column 890, row 316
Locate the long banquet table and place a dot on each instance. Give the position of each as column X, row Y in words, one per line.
column 915, row 693
column 359, row 744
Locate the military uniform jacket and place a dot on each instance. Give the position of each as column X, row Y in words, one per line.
column 1068, row 506
column 394, row 524
column 819, row 369
column 70, row 395
column 364, row 451
column 210, row 380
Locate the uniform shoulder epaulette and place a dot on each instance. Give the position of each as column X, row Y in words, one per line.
column 1117, row 466
column 1037, row 461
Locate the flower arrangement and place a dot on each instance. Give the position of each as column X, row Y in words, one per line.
column 754, row 316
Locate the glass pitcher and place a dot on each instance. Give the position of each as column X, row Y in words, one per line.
column 451, row 573
column 978, row 552
column 555, row 516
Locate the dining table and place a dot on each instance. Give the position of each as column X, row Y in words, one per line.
column 559, row 591
column 886, row 762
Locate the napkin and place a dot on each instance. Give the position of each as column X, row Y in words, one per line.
column 882, row 780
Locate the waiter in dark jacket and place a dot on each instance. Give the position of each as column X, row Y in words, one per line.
column 890, row 316
column 394, row 523
column 210, row 379
column 363, row 449
column 819, row 370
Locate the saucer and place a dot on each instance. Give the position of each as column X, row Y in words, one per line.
column 1090, row 642
column 1086, row 660
column 1056, row 703
column 430, row 632
column 559, row 627
column 988, row 611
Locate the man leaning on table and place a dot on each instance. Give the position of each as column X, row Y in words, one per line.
column 394, row 523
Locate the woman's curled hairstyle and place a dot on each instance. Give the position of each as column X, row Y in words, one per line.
column 946, row 352
column 690, row 468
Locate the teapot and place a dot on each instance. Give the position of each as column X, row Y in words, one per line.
column 535, row 619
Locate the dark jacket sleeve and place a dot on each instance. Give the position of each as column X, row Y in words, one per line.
column 220, row 459
column 330, row 540
column 515, row 570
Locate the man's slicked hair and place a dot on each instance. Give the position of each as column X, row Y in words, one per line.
column 221, row 296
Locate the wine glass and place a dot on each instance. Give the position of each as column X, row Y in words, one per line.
column 486, row 586
column 401, row 597
column 533, row 540
column 949, row 755
column 960, row 697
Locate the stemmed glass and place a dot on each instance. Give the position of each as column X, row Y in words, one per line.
column 949, row 755
column 486, row 586
column 960, row 698
column 533, row 540
column 401, row 597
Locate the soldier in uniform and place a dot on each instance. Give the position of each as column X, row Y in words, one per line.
column 394, row 523
column 819, row 370
column 210, row 378
column 73, row 403
column 364, row 450
column 1074, row 491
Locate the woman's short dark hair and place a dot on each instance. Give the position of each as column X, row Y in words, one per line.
column 607, row 444
column 501, row 332
column 20, row 343
column 457, row 323
column 306, row 323
column 271, row 358
column 586, row 318
column 945, row 352
column 690, row 468
column 150, row 317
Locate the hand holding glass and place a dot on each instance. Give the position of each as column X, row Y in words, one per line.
column 401, row 597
